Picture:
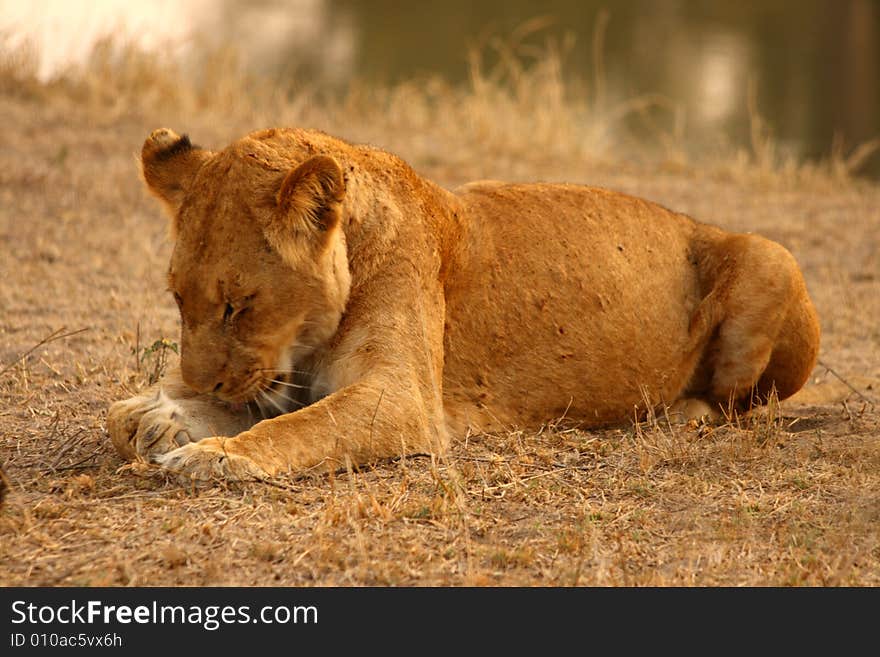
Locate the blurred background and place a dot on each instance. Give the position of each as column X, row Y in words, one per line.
column 705, row 68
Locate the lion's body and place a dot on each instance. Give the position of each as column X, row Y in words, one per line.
column 397, row 313
column 558, row 312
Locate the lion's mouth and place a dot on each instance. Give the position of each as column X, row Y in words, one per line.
column 259, row 384
column 262, row 401
column 270, row 391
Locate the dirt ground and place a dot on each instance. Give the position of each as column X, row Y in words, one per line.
column 786, row 496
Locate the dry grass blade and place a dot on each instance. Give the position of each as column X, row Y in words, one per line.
column 57, row 334
column 846, row 383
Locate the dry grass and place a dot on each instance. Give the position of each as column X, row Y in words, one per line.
column 787, row 496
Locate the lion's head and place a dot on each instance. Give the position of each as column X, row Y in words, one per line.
column 259, row 268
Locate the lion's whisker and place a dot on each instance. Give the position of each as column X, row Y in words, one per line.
column 259, row 405
column 274, row 403
column 290, row 385
column 288, row 398
column 274, row 370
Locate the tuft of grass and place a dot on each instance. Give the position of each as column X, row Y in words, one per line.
column 155, row 358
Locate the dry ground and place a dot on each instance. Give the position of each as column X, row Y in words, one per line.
column 790, row 496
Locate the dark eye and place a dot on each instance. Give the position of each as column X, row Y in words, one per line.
column 228, row 312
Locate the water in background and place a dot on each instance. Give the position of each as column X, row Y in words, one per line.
column 812, row 67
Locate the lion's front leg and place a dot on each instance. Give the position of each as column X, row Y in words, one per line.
column 360, row 424
column 168, row 416
column 212, row 458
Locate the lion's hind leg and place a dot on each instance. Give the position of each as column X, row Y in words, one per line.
column 768, row 338
column 692, row 408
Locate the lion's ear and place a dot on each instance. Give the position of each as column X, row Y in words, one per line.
column 169, row 163
column 311, row 194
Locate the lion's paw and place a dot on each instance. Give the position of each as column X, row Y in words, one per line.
column 690, row 409
column 209, row 460
column 144, row 426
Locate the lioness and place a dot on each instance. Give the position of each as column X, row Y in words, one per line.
column 335, row 305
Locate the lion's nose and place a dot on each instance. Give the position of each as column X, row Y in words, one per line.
column 203, row 385
column 201, row 379
column 202, row 364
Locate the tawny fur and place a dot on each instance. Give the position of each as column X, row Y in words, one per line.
column 368, row 313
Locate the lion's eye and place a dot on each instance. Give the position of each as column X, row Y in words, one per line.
column 228, row 312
